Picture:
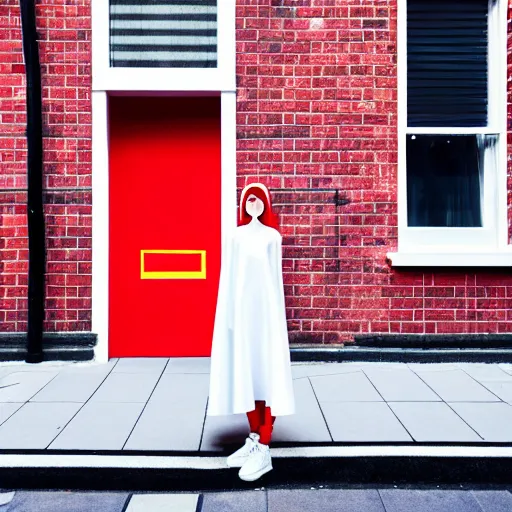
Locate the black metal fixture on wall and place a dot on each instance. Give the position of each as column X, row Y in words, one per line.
column 35, row 215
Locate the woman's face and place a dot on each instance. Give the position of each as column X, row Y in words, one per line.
column 254, row 206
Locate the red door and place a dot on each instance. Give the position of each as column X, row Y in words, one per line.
column 164, row 254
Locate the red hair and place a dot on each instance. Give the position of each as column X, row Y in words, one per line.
column 268, row 217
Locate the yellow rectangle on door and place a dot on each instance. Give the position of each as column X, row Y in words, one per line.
column 173, row 274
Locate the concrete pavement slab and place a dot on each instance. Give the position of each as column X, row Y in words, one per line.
column 347, row 387
column 249, row 501
column 433, row 421
column 45, row 366
column 70, row 387
column 22, row 386
column 68, row 502
column 90, row 367
column 506, row 367
column 141, row 365
column 168, row 426
column 126, row 388
column 406, row 500
column 400, row 385
column 176, row 387
column 35, row 426
column 325, row 500
column 456, row 386
column 220, row 431
column 494, row 501
column 502, row 389
column 99, row 426
column 301, row 370
column 7, row 410
column 188, row 365
column 433, row 367
column 307, row 424
column 493, row 421
column 485, row 372
column 163, row 503
column 378, row 365
column 360, row 421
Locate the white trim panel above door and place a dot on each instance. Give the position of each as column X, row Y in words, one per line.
column 189, row 46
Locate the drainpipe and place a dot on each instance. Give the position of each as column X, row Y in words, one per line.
column 35, row 215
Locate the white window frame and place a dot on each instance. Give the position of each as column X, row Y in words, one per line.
column 433, row 246
column 107, row 81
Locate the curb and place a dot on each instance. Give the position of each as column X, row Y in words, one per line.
column 310, row 465
column 401, row 355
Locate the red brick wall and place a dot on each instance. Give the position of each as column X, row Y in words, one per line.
column 316, row 114
column 64, row 30
column 317, row 108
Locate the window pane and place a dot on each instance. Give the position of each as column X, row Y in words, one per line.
column 159, row 33
column 447, row 62
column 445, row 180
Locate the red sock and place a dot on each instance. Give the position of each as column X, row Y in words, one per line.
column 254, row 417
column 267, row 427
column 260, row 406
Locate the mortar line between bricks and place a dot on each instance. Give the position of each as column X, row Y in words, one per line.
column 83, row 405
column 146, row 404
column 388, row 406
column 321, row 410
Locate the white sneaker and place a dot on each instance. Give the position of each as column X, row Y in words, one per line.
column 258, row 463
column 237, row 459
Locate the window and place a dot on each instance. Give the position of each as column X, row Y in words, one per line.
column 163, row 34
column 452, row 126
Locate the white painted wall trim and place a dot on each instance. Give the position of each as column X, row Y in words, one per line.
column 443, row 258
column 228, row 164
column 456, row 130
column 148, row 79
column 226, row 41
column 105, row 78
column 100, row 39
column 153, row 82
column 100, row 224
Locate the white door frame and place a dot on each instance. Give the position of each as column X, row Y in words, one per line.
column 152, row 82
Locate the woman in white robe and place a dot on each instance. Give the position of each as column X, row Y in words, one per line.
column 250, row 361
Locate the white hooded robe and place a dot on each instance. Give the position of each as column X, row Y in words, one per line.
column 250, row 352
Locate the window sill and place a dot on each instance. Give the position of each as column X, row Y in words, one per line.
column 470, row 258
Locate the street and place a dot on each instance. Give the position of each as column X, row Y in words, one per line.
column 353, row 499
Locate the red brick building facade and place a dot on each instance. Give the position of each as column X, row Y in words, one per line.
column 316, row 120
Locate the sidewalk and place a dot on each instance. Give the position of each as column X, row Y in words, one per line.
column 270, row 500
column 157, row 405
